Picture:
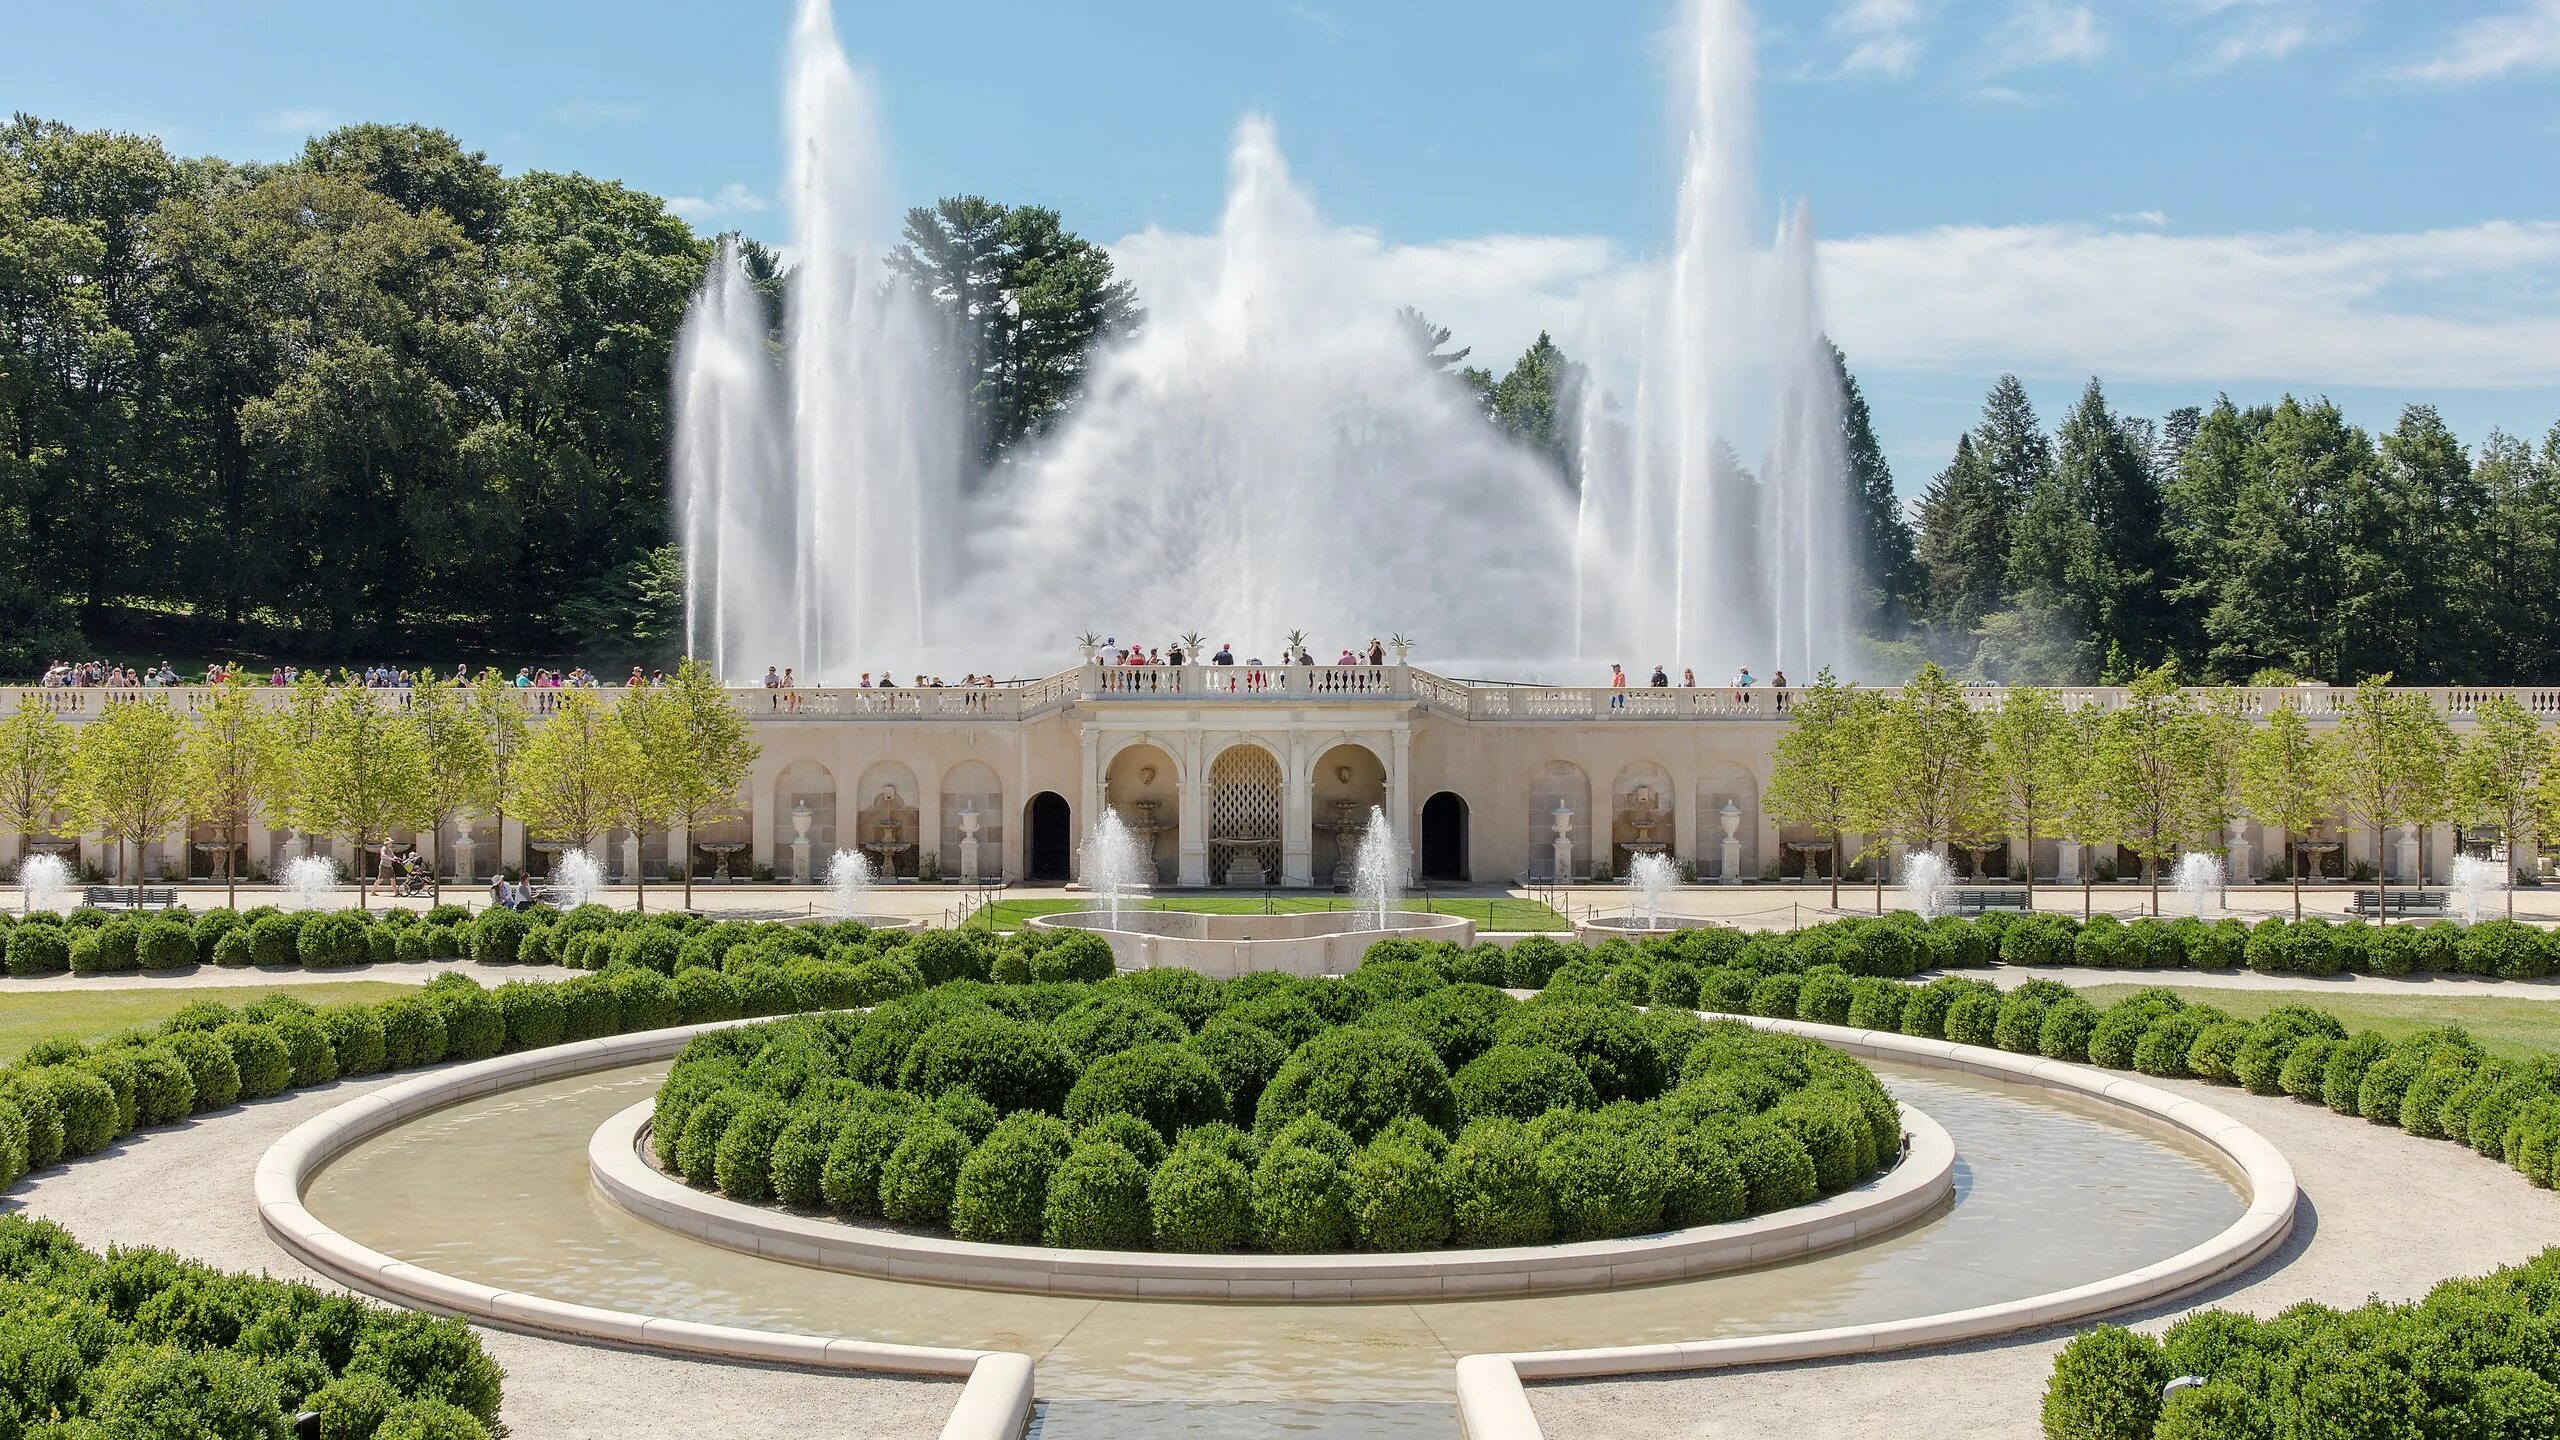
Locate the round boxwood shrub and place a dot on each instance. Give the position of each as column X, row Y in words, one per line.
column 215, row 1074
column 259, row 1054
column 1360, row 1079
column 235, row 949
column 742, row 1161
column 1776, row 995
column 1169, row 1087
column 497, row 935
column 1606, row 1040
column 1243, row 1056
column 2342, row 1078
column 315, row 1060
column 1974, row 1018
column 164, row 1088
column 474, row 1028
column 38, row 950
column 1876, row 1004
column 1777, row 1172
column 2105, row 1386
column 917, row 1182
column 2304, row 1064
column 1013, row 1064
column 1824, row 996
column 1098, row 1200
column 943, row 955
column 1399, row 1200
column 1301, row 1203
column 1496, row 1194
column 358, row 1038
column 110, row 949
column 428, row 1358
column 165, row 945
column 2508, row 949
column 850, row 1184
column 1200, row 1201
column 800, row 1156
column 413, row 1032
column 1602, row 1182
column 533, row 1013
column 1521, row 1082
column 1002, row 1193
column 274, row 939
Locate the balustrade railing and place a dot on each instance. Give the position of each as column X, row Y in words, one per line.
column 1302, row 684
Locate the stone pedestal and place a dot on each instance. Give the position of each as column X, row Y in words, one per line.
column 1731, row 818
column 630, row 859
column 969, row 844
column 1560, row 825
column 463, row 857
column 2239, row 869
column 2405, row 860
column 2066, row 862
column 1247, row 875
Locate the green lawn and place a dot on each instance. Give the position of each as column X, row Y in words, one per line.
column 90, row 1014
column 1490, row 912
column 2503, row 1025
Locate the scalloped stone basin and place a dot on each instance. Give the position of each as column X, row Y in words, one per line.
column 1593, row 930
column 1328, row 942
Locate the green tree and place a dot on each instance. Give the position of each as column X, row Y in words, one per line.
column 1929, row 783
column 570, row 779
column 234, row 764
column 2286, row 778
column 35, row 770
column 455, row 759
column 1538, row 404
column 2088, row 545
column 1819, row 769
column 2147, row 757
column 696, row 751
column 2093, row 809
column 2220, row 724
column 637, row 797
column 2502, row 777
column 2277, row 589
column 2391, row 752
column 1879, row 536
column 1963, row 545
column 497, row 713
column 128, row 774
column 364, row 776
column 2028, row 745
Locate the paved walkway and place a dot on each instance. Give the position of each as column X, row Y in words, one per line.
column 2354, row 1236
column 2362, row 987
column 186, row 1188
column 409, row 972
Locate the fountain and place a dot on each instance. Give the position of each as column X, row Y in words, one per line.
column 309, row 879
column 43, row 879
column 575, row 879
column 1643, row 816
column 2198, row 877
column 1927, row 882
column 1113, row 865
column 1649, row 878
column 818, row 497
column 1380, row 868
column 888, row 834
column 2471, row 884
column 849, row 880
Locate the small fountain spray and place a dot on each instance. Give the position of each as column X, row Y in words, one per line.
column 2472, row 883
column 1379, row 870
column 1927, row 880
column 309, row 879
column 1649, row 878
column 43, row 880
column 1113, row 865
column 577, row 877
column 2197, row 877
column 849, row 880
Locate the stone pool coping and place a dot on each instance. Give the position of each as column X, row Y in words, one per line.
column 1493, row 1402
column 1921, row 1181
column 995, row 1403
column 1306, row 943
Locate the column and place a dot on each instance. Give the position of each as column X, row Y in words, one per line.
column 511, row 844
column 1191, row 814
column 760, row 801
column 679, row 847
column 1089, row 807
column 1400, row 798
column 928, row 828
column 1297, row 817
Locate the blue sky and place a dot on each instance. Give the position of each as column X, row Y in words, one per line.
column 2356, row 197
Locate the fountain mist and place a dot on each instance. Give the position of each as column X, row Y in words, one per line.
column 1379, row 869
column 577, row 877
column 1649, row 878
column 849, row 883
column 309, row 879
column 2472, row 884
column 1114, row 867
column 729, row 474
column 1927, row 881
column 2198, row 877
column 42, row 882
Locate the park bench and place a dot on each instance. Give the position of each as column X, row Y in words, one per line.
column 1965, row 900
column 2403, row 903
column 129, row 897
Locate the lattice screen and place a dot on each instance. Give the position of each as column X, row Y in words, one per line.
column 1244, row 802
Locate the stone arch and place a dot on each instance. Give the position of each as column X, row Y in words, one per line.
column 1725, row 780
column 1559, row 783
column 971, row 788
column 1345, row 780
column 1643, row 814
column 1143, row 782
column 887, row 806
column 1048, row 845
column 804, row 782
column 1245, row 804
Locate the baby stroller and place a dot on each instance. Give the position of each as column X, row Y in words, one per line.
column 413, row 881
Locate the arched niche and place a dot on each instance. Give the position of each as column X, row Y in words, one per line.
column 970, row 789
column 1559, row 783
column 1144, row 785
column 1244, row 816
column 887, row 815
column 1348, row 782
column 1726, row 782
column 1642, row 818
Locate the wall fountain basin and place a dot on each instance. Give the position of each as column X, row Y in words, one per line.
column 1224, row 946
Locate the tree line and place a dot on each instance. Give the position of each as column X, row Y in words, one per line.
column 353, row 762
column 2258, row 543
column 2170, row 771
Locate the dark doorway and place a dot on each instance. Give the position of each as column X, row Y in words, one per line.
column 1444, row 838
column 1044, row 820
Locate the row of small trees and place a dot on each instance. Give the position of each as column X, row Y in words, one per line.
column 2168, row 771
column 342, row 760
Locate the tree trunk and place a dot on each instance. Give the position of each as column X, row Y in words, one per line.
column 639, row 874
column 2088, row 879
column 1835, row 869
column 2381, row 881
column 2297, row 886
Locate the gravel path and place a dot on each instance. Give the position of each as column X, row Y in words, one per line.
column 2366, row 987
column 186, row 1188
column 2382, row 1214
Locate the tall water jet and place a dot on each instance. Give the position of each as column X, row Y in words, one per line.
column 42, row 882
column 2197, row 877
column 1650, row 877
column 2471, row 885
column 849, row 883
column 1114, row 866
column 1298, row 462
column 310, row 879
column 576, row 877
column 1928, row 882
column 730, row 474
column 1378, row 869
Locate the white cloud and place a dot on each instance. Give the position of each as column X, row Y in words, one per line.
column 733, row 199
column 2038, row 33
column 304, row 120
column 588, row 114
column 1881, row 37
column 2520, row 42
column 2470, row 308
column 2156, row 219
